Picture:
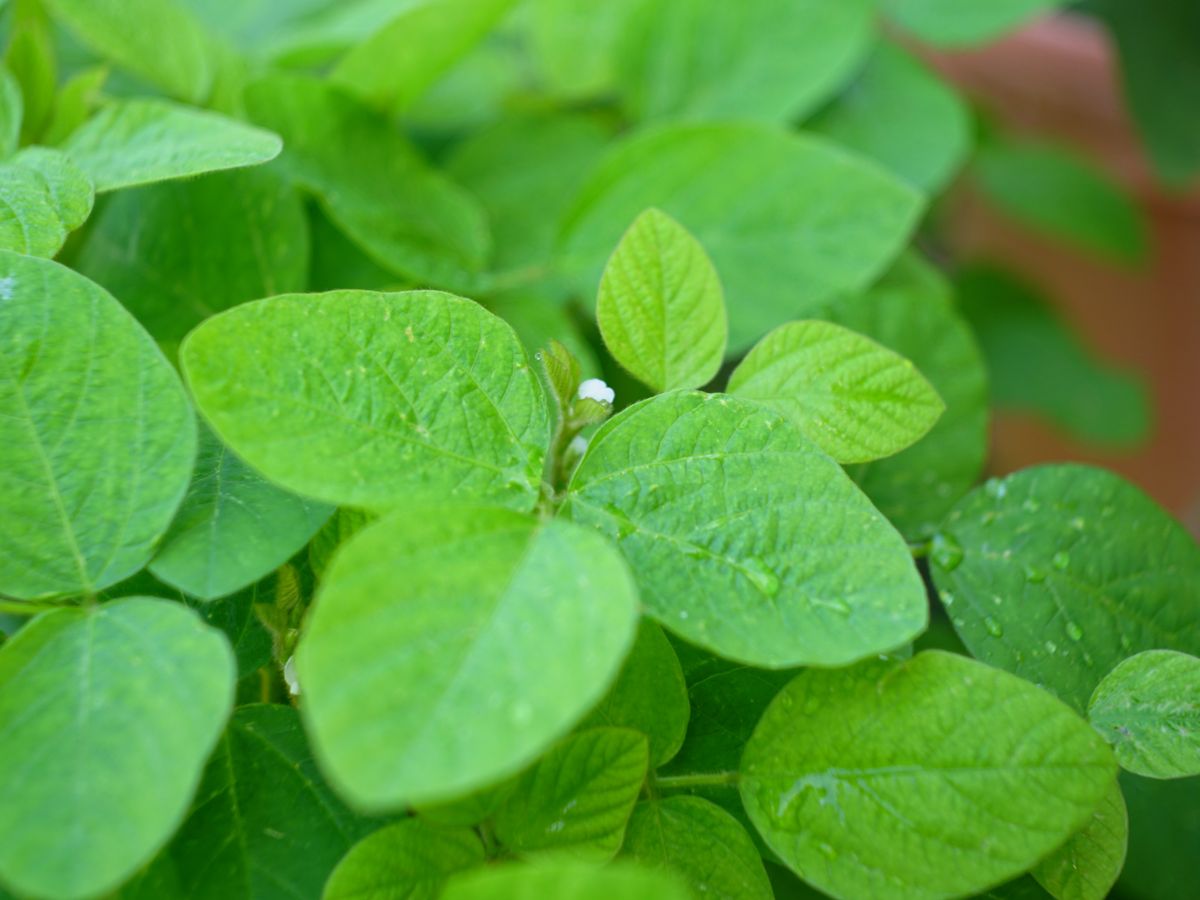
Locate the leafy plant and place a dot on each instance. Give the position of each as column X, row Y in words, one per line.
column 334, row 566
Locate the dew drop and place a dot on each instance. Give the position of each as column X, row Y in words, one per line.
column 1035, row 575
column 1078, row 524
column 1051, row 647
column 827, row 850
column 994, row 628
column 946, row 552
column 946, row 597
column 763, row 577
column 1031, row 505
column 1074, row 632
column 1062, row 559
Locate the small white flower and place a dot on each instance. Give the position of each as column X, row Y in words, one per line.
column 579, row 445
column 289, row 675
column 596, row 389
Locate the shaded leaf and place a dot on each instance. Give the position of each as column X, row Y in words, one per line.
column 408, row 860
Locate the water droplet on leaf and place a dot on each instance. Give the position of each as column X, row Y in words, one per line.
column 946, row 552
column 1062, row 559
column 1074, row 632
column 994, row 628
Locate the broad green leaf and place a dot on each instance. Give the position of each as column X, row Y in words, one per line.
column 158, row 40
column 263, row 826
column 1059, row 572
column 30, row 58
column 1164, row 831
column 233, row 526
column 1037, row 363
column 368, row 399
column 1148, row 707
column 789, row 220
column 44, row 196
column 566, row 880
column 99, row 438
column 1057, row 192
column 1160, row 70
column 576, row 800
column 650, row 695
column 735, row 528
column 404, row 58
column 904, row 117
column 409, row 860
column 1087, row 866
column 660, row 309
column 575, row 43
column 372, row 183
column 912, row 312
column 11, row 110
column 133, row 142
column 852, row 397
column 703, row 843
column 108, row 714
column 511, row 630
column 179, row 252
column 963, row 22
column 934, row 777
column 525, row 171
column 772, row 60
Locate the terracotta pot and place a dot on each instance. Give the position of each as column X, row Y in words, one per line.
column 1057, row 79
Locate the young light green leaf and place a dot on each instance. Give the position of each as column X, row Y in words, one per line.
column 512, row 629
column 904, row 117
column 108, row 715
column 75, row 102
column 575, row 802
column 401, row 60
column 933, row 777
column 566, row 880
column 852, row 397
column 1087, row 866
column 44, row 196
column 1059, row 572
column 368, row 399
column 703, row 843
column 157, row 39
column 955, row 23
column 263, row 825
column 734, row 525
column 912, row 312
column 30, row 58
column 660, row 309
column 372, row 182
column 99, row 438
column 11, row 110
column 409, row 860
column 650, row 696
column 1059, row 193
column 1148, row 707
column 772, row 208
column 575, row 43
column 179, row 252
column 132, row 142
column 772, row 60
column 233, row 526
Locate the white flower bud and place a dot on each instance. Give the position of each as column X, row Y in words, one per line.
column 289, row 675
column 579, row 445
column 596, row 389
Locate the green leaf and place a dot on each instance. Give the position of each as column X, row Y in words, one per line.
column 511, row 628
column 76, row 101
column 566, row 880
column 701, row 842
column 575, row 43
column 898, row 113
column 734, row 524
column 408, row 860
column 372, row 183
column 1087, row 866
column 525, row 171
column 370, row 399
column 344, row 524
column 1059, row 572
column 158, row 40
column 108, row 714
column 955, row 22
column 132, row 142
column 1148, row 707
column 1057, row 192
column 575, row 801
column 912, row 312
column 650, row 696
column 1037, row 363
column 99, row 439
column 852, row 397
column 772, row 60
column 264, row 826
column 233, row 526
column 30, row 58
column 1164, row 831
column 771, row 207
column 934, row 777
column 235, row 615
column 404, row 58
column 179, row 252
column 11, row 111
column 44, row 196
column 660, row 309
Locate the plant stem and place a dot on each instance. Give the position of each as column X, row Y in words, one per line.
column 22, row 608
column 701, row 779
column 921, row 550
